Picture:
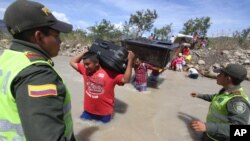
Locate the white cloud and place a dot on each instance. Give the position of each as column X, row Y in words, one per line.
column 2, row 10
column 81, row 24
column 119, row 25
column 61, row 16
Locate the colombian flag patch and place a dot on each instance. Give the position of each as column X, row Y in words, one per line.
column 42, row 90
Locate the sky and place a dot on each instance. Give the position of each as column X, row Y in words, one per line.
column 226, row 16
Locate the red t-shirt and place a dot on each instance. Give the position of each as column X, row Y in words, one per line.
column 141, row 74
column 186, row 51
column 99, row 90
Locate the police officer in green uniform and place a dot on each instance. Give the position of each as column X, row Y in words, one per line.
column 34, row 101
column 230, row 106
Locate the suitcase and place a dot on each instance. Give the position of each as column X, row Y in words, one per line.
column 112, row 57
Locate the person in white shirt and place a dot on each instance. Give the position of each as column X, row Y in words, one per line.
column 172, row 39
column 193, row 73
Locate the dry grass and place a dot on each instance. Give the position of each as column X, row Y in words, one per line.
column 227, row 43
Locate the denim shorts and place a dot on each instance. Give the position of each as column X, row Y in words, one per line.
column 89, row 116
column 141, row 87
column 154, row 78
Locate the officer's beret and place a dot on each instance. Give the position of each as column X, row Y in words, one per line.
column 24, row 15
column 234, row 70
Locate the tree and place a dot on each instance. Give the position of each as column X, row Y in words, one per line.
column 105, row 30
column 163, row 33
column 143, row 21
column 128, row 30
column 244, row 34
column 197, row 25
column 100, row 30
column 243, row 37
column 77, row 34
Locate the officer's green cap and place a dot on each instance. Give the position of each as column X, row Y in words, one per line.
column 23, row 15
column 234, row 70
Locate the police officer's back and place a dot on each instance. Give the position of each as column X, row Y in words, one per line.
column 34, row 102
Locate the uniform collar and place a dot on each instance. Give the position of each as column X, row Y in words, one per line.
column 23, row 46
column 230, row 90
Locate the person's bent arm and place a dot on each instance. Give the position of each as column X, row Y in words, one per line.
column 75, row 60
column 238, row 114
column 206, row 97
column 128, row 71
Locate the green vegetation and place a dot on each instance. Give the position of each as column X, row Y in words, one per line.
column 105, row 30
column 4, row 35
column 243, row 37
column 164, row 32
column 142, row 22
column 197, row 25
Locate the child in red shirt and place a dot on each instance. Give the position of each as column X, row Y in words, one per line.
column 186, row 51
column 99, row 84
column 179, row 62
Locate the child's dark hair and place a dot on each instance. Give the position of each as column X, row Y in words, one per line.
column 141, row 58
column 91, row 56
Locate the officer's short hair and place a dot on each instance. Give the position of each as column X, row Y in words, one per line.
column 91, row 56
column 235, row 81
column 26, row 35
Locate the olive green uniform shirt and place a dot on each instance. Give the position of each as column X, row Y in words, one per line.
column 235, row 116
column 41, row 117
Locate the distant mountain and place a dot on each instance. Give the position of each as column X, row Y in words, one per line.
column 2, row 26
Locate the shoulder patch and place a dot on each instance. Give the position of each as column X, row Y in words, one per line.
column 33, row 56
column 220, row 99
column 239, row 107
column 236, row 92
column 42, row 90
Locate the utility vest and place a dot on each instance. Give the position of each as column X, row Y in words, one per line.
column 11, row 63
column 218, row 111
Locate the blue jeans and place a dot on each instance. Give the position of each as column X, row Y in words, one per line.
column 141, row 87
column 154, row 78
column 89, row 116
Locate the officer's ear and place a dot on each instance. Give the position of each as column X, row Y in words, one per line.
column 38, row 37
column 229, row 78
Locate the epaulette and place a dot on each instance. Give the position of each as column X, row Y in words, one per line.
column 237, row 92
column 32, row 56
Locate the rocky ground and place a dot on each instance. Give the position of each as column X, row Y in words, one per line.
column 203, row 59
column 208, row 59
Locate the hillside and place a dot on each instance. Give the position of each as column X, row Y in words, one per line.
column 2, row 26
column 221, row 51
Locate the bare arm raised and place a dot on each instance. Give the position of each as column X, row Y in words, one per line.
column 128, row 71
column 76, row 59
